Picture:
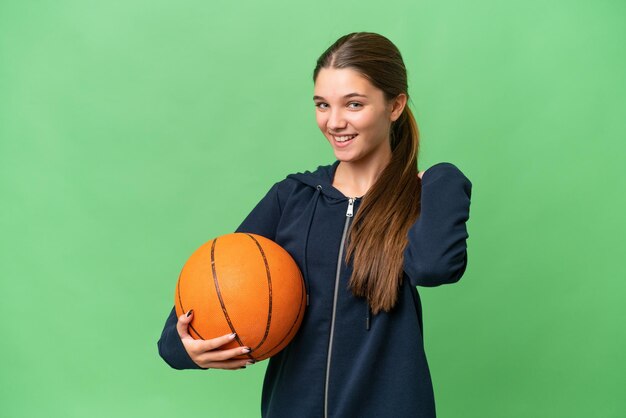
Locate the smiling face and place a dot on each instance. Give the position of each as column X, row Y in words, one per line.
column 354, row 115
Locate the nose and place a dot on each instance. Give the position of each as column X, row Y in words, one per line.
column 336, row 121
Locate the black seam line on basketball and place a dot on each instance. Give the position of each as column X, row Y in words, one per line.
column 193, row 331
column 302, row 297
column 196, row 331
column 219, row 296
column 269, row 288
column 286, row 335
column 180, row 301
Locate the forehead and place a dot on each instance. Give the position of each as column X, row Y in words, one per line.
column 337, row 82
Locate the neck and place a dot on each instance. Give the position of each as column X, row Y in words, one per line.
column 354, row 179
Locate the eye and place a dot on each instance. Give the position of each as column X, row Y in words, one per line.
column 354, row 105
column 321, row 105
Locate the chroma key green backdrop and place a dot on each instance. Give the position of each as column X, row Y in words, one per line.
column 133, row 131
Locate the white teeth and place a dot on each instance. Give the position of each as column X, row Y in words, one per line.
column 344, row 138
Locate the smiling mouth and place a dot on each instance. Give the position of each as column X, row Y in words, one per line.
column 344, row 138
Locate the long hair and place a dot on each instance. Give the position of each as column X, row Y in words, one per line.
column 378, row 236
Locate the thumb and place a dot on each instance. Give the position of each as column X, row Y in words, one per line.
column 182, row 326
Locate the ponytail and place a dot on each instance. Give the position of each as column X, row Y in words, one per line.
column 379, row 231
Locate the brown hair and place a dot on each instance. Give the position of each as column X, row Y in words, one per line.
column 379, row 230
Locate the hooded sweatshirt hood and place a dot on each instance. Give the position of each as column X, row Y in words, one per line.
column 321, row 179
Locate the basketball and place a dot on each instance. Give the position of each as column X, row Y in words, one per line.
column 245, row 284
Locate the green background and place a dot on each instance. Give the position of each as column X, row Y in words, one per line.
column 133, row 131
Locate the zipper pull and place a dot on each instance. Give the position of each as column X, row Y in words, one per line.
column 350, row 207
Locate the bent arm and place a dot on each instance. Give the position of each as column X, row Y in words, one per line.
column 436, row 252
column 262, row 220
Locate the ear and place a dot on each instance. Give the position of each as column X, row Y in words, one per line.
column 397, row 107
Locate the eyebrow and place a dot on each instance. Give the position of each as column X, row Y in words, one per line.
column 347, row 96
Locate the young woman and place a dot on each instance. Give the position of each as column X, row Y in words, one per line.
column 365, row 231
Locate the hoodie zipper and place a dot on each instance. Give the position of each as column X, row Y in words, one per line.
column 349, row 214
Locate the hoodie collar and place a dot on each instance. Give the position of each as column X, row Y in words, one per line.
column 321, row 179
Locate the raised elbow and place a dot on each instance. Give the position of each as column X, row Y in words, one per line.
column 437, row 273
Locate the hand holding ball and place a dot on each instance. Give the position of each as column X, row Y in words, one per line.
column 242, row 284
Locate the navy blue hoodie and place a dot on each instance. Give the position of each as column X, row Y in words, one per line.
column 345, row 362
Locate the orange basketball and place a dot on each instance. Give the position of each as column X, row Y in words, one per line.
column 246, row 284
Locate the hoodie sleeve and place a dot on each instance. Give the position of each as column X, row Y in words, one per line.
column 436, row 252
column 263, row 220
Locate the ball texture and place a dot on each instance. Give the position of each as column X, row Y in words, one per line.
column 245, row 284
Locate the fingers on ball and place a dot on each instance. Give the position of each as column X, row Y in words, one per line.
column 222, row 355
column 214, row 343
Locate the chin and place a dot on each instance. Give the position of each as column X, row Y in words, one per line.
column 344, row 157
column 347, row 160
